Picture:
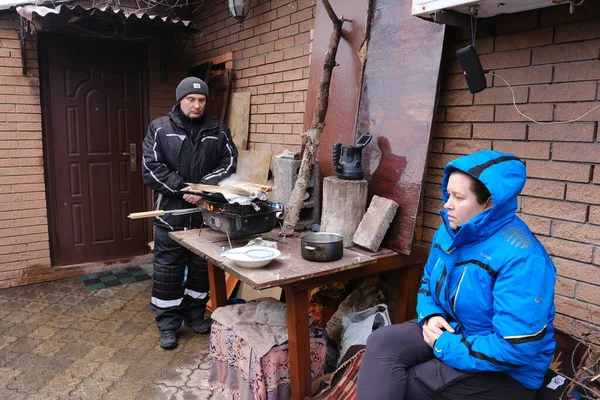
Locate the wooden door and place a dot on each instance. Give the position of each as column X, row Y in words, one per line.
column 94, row 120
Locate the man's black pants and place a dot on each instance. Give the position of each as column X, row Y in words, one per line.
column 399, row 365
column 172, row 301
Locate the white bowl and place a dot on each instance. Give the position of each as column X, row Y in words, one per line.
column 252, row 256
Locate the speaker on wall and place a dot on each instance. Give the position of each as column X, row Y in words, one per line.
column 474, row 73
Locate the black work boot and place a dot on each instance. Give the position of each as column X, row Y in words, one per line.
column 201, row 326
column 168, row 339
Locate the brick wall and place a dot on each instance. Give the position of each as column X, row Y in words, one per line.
column 271, row 58
column 552, row 60
column 24, row 240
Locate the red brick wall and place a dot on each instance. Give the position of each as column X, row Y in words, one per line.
column 271, row 60
column 552, row 61
column 24, row 240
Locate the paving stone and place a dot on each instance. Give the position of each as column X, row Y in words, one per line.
column 91, row 388
column 145, row 374
column 17, row 317
column 52, row 298
column 108, row 326
column 110, row 371
column 6, row 394
column 57, row 309
column 85, row 324
column 118, row 341
column 92, row 302
column 157, row 392
column 43, row 332
column 7, row 375
column 3, row 313
column 34, row 307
column 77, row 311
column 94, row 337
column 176, row 376
column 32, row 295
column 122, row 315
column 128, row 356
column 128, row 292
column 72, row 300
column 74, row 350
column 30, row 381
column 20, row 330
column 144, row 317
column 38, row 319
column 137, row 305
column 62, row 321
column 114, row 304
column 131, row 328
column 24, row 345
column 144, row 342
column 38, row 396
column 61, row 385
column 82, row 368
column 99, row 313
column 192, row 394
column 48, row 348
column 197, row 377
column 65, row 289
column 124, row 391
column 14, row 305
column 7, row 355
column 5, row 340
column 157, row 356
column 151, row 330
column 68, row 335
column 100, row 354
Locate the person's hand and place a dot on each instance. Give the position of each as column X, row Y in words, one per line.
column 438, row 324
column 192, row 198
column 433, row 328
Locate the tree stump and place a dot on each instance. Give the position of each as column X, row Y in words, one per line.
column 344, row 204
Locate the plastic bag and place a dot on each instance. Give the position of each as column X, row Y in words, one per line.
column 358, row 326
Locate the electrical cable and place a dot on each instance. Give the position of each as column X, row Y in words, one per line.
column 533, row 120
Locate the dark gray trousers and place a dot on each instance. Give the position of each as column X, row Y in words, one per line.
column 399, row 365
column 172, row 300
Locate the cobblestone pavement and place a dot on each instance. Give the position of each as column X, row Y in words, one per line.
column 60, row 341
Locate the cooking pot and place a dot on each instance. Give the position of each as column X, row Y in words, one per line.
column 322, row 246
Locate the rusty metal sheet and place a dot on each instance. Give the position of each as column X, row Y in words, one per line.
column 344, row 95
column 397, row 106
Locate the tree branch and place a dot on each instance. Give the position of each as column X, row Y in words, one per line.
column 310, row 140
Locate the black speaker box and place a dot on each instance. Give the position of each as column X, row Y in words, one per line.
column 469, row 61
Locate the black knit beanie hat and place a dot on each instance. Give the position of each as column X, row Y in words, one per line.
column 191, row 85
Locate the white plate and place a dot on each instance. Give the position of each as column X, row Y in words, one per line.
column 252, row 256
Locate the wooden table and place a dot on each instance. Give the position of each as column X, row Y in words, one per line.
column 297, row 277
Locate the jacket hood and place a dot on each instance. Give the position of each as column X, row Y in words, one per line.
column 503, row 175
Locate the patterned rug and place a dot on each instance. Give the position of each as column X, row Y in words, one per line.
column 116, row 277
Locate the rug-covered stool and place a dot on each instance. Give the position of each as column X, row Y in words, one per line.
column 249, row 361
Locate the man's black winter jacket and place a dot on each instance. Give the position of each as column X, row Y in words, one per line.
column 175, row 152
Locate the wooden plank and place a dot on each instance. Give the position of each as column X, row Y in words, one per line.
column 345, row 89
column 287, row 268
column 218, row 292
column 231, row 283
column 298, row 341
column 253, row 166
column 237, row 118
column 397, row 107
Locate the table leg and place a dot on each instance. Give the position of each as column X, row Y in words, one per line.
column 408, row 285
column 218, row 289
column 298, row 341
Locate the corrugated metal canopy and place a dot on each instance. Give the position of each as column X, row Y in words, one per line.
column 47, row 18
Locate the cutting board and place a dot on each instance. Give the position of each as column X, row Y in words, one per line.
column 237, row 118
column 253, row 166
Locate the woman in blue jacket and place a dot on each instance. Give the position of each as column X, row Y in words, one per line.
column 486, row 303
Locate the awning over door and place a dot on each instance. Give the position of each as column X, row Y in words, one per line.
column 49, row 18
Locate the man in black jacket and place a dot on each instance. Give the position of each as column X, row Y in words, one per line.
column 186, row 145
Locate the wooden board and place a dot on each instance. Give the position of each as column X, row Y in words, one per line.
column 288, row 268
column 237, row 118
column 253, row 166
column 219, row 85
column 397, row 106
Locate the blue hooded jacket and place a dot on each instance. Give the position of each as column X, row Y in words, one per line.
column 492, row 280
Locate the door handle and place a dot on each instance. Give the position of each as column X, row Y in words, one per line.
column 132, row 157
